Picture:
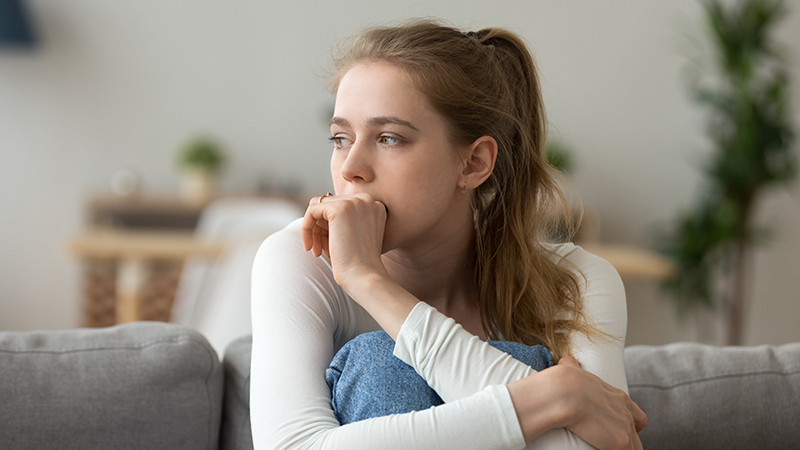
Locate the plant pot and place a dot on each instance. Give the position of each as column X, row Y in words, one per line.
column 198, row 185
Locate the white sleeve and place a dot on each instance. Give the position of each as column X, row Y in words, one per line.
column 605, row 308
column 300, row 317
column 456, row 363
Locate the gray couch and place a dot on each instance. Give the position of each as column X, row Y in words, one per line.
column 160, row 386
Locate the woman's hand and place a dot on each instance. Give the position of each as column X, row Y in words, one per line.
column 566, row 396
column 349, row 229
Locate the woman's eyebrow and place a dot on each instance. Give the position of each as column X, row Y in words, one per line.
column 376, row 122
column 339, row 121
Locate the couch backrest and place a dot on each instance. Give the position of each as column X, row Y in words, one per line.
column 140, row 385
column 696, row 396
column 703, row 397
column 160, row 386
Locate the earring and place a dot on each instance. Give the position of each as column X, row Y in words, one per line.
column 464, row 189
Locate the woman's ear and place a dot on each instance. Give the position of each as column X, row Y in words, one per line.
column 479, row 163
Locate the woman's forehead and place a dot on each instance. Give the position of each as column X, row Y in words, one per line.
column 381, row 90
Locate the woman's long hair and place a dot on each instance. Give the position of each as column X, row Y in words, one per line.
column 486, row 83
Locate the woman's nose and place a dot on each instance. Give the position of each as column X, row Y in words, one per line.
column 357, row 164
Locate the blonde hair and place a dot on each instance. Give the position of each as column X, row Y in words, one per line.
column 486, row 84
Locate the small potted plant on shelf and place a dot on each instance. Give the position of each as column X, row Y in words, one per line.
column 200, row 161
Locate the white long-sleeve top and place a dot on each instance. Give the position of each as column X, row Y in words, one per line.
column 301, row 317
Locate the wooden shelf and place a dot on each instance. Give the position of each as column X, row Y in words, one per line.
column 633, row 262
column 104, row 243
column 151, row 210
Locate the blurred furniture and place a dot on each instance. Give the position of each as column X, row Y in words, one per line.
column 134, row 248
column 121, row 283
column 213, row 295
column 633, row 262
column 152, row 210
column 136, row 254
column 161, row 386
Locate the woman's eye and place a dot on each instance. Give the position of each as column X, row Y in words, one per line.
column 339, row 142
column 389, row 140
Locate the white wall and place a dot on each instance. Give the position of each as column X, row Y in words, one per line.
column 122, row 84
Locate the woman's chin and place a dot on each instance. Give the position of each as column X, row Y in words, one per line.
column 386, row 246
column 390, row 241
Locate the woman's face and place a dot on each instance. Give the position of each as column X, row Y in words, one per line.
column 390, row 143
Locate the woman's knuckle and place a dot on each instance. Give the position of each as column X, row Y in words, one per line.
column 346, row 207
column 621, row 439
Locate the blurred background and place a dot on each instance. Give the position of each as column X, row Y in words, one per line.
column 111, row 92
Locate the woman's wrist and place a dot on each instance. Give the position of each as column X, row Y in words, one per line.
column 538, row 410
column 386, row 301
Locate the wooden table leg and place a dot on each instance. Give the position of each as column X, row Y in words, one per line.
column 131, row 276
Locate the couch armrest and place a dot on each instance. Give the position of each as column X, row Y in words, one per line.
column 698, row 396
column 140, row 385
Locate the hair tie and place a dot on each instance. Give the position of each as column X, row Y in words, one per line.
column 474, row 35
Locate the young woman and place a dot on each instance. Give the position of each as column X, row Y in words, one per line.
column 436, row 234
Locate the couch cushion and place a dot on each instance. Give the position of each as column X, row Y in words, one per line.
column 698, row 396
column 141, row 385
column 235, row 432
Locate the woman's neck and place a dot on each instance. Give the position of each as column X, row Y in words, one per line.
column 441, row 276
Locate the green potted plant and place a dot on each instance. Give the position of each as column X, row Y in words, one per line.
column 559, row 155
column 200, row 161
column 577, row 226
column 750, row 127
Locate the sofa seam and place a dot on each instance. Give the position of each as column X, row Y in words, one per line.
column 246, row 418
column 212, row 356
column 153, row 343
column 714, row 378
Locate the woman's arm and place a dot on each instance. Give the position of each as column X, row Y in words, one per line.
column 456, row 363
column 350, row 230
column 300, row 318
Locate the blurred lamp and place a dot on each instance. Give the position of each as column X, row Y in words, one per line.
column 15, row 28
